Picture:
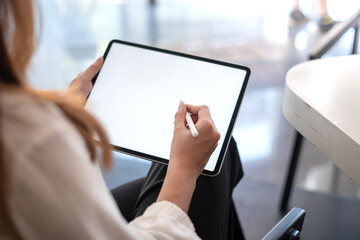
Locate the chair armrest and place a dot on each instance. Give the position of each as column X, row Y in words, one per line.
column 289, row 226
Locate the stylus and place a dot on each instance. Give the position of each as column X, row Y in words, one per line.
column 191, row 125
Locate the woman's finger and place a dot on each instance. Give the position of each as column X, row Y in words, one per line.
column 93, row 69
column 201, row 111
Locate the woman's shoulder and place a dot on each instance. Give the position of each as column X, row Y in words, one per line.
column 28, row 112
column 26, row 120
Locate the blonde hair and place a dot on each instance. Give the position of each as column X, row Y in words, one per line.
column 17, row 42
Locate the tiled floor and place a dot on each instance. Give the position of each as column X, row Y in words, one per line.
column 251, row 33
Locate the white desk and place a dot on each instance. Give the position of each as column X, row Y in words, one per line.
column 322, row 102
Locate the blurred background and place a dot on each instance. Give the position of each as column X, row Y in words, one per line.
column 73, row 33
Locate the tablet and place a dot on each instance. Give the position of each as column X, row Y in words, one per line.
column 137, row 93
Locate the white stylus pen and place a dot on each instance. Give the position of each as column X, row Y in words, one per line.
column 191, row 125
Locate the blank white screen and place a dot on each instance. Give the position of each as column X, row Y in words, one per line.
column 137, row 94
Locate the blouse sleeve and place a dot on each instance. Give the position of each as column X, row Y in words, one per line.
column 163, row 218
column 60, row 194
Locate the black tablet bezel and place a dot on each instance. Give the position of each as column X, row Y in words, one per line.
column 233, row 118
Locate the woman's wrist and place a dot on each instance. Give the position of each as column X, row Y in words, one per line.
column 178, row 169
column 185, row 178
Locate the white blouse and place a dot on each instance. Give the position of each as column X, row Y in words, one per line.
column 57, row 192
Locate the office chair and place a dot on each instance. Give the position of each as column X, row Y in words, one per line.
column 289, row 227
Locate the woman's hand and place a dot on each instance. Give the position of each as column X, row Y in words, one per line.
column 188, row 155
column 82, row 83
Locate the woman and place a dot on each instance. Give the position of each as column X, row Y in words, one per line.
column 51, row 186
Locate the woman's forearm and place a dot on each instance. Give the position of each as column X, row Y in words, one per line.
column 178, row 188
